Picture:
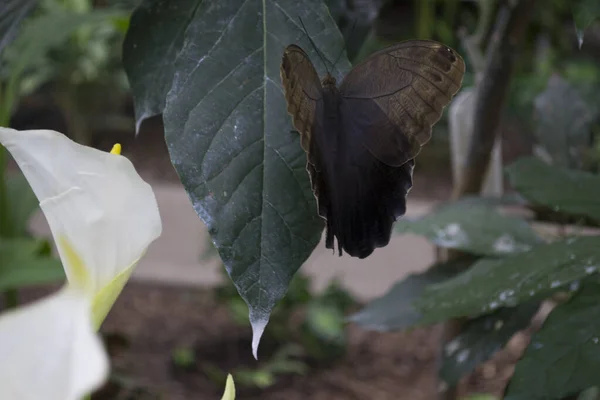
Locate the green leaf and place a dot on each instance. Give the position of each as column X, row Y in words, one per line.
column 562, row 190
column 564, row 123
column 481, row 338
column 473, row 227
column 21, row 202
column 584, row 13
column 155, row 36
column 394, row 310
column 12, row 13
column 230, row 137
column 21, row 264
column 563, row 357
column 507, row 282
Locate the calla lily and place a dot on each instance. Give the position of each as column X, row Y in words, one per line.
column 102, row 216
column 50, row 350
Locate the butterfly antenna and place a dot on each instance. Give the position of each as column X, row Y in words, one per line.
column 315, row 46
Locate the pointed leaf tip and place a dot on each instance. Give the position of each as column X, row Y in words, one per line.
column 258, row 328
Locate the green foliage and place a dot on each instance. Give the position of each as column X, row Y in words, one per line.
column 481, row 338
column 584, row 13
column 82, row 55
column 284, row 361
column 395, row 310
column 568, row 348
column 183, row 357
column 304, row 328
column 26, row 262
column 473, row 227
column 559, row 189
column 500, row 294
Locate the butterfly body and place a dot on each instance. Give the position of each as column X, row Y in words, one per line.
column 361, row 138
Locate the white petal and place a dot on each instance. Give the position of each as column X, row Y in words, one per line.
column 93, row 200
column 49, row 350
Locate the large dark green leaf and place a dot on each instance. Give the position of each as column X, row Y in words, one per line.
column 473, row 227
column 584, row 13
column 231, row 141
column 563, row 357
column 154, row 39
column 21, row 264
column 564, row 123
column 394, row 310
column 562, row 190
column 481, row 338
column 507, row 282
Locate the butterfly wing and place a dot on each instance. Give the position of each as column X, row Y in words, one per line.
column 411, row 82
column 388, row 104
column 303, row 93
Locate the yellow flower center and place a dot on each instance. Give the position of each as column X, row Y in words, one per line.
column 116, row 149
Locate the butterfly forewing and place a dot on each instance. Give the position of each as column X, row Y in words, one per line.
column 302, row 89
column 412, row 82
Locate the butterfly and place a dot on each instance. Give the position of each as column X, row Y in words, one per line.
column 362, row 137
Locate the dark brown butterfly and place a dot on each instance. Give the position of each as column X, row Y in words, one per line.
column 361, row 138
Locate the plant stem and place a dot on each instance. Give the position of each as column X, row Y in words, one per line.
column 511, row 23
column 509, row 31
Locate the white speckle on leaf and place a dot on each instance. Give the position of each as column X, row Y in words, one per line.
column 494, row 305
column 505, row 244
column 574, row 286
column 537, row 345
column 590, row 270
column 452, row 347
column 506, row 295
column 555, row 284
column 595, row 340
column 462, row 356
column 451, row 236
column 498, row 325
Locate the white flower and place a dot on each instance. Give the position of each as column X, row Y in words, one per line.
column 103, row 216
